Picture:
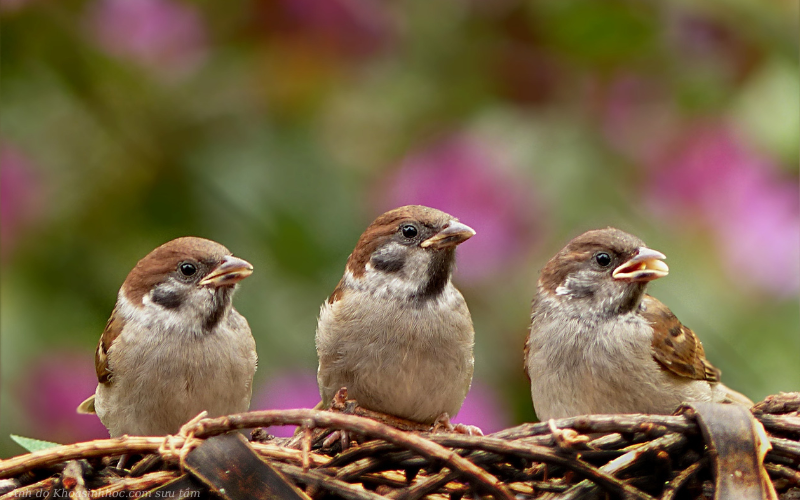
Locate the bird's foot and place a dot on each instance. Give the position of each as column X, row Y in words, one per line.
column 567, row 439
column 341, row 404
column 443, row 424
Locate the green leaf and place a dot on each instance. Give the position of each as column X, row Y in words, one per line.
column 31, row 444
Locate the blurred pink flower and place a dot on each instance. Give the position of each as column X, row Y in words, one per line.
column 484, row 409
column 50, row 392
column 460, row 176
column 298, row 389
column 19, row 197
column 165, row 35
column 287, row 390
column 752, row 210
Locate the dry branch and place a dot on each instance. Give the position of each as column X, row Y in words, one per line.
column 626, row 456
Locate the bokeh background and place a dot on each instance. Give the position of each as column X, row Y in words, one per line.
column 281, row 128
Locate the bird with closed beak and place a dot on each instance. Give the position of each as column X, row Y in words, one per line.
column 599, row 344
column 395, row 331
column 174, row 346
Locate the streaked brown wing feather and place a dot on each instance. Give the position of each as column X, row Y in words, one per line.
column 676, row 346
column 110, row 333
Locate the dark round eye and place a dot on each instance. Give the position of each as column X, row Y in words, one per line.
column 603, row 259
column 187, row 268
column 409, row 231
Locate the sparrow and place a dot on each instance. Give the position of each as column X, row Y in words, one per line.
column 174, row 346
column 395, row 331
column 599, row 344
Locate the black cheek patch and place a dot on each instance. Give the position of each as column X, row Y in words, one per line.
column 221, row 304
column 167, row 298
column 390, row 262
column 439, row 271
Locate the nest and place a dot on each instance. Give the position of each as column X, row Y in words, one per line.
column 704, row 451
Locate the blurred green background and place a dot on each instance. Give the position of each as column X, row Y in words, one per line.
column 281, row 128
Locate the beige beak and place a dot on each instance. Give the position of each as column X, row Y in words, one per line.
column 453, row 234
column 231, row 271
column 646, row 265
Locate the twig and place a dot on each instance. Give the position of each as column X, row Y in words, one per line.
column 427, row 485
column 540, row 454
column 652, row 425
column 360, row 425
column 785, row 447
column 144, row 483
column 513, row 461
column 678, row 481
column 72, row 478
column 371, row 448
column 352, row 471
column 273, row 451
column 780, row 423
column 390, row 477
column 32, row 490
column 668, row 443
column 785, row 472
column 98, row 448
column 325, row 482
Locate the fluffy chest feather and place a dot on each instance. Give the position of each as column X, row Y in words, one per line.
column 389, row 353
column 591, row 364
column 165, row 372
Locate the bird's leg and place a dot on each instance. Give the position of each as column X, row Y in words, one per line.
column 443, row 424
column 341, row 404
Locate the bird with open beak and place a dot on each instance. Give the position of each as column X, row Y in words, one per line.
column 599, row 344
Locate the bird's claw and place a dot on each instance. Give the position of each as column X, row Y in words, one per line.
column 443, row 424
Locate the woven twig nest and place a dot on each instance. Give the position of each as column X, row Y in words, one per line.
column 707, row 451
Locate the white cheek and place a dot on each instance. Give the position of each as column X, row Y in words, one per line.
column 381, row 283
column 562, row 290
column 158, row 319
column 404, row 282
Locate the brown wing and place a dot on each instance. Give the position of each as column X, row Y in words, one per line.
column 675, row 346
column 111, row 332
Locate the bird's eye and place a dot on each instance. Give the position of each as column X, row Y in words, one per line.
column 409, row 231
column 603, row 259
column 187, row 268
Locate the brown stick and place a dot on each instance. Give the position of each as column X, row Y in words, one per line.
column 318, row 418
column 268, row 450
column 99, row 448
column 667, row 443
column 323, row 481
column 780, row 423
column 146, row 482
column 785, row 447
column 32, row 490
column 542, row 454
column 677, row 483
column 785, row 472
column 653, row 425
column 426, row 486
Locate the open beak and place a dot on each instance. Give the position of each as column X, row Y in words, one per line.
column 646, row 265
column 231, row 271
column 453, row 234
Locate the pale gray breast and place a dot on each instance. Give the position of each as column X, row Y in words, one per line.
column 582, row 365
column 410, row 360
column 162, row 378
